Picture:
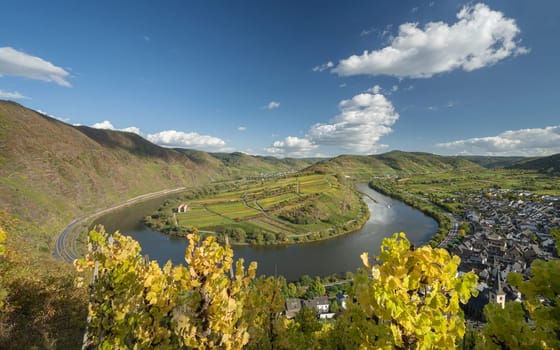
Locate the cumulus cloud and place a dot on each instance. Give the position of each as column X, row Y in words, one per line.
column 109, row 126
column 362, row 121
column 524, row 142
column 323, row 66
column 272, row 105
column 292, row 146
column 12, row 95
column 17, row 63
column 241, row 128
column 104, row 125
column 132, row 129
column 481, row 37
column 173, row 138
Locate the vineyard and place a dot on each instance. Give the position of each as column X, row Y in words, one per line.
column 282, row 210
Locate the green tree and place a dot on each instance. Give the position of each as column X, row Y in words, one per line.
column 315, row 289
column 412, row 298
column 262, row 311
column 536, row 322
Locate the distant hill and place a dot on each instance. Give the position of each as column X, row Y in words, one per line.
column 549, row 165
column 392, row 163
column 491, row 162
column 52, row 172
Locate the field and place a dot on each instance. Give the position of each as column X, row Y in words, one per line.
column 278, row 210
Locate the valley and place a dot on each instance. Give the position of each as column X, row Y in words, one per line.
column 54, row 173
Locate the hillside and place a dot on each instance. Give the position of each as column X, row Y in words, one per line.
column 52, row 172
column 548, row 165
column 491, row 162
column 391, row 163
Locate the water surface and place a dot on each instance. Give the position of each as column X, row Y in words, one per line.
column 336, row 255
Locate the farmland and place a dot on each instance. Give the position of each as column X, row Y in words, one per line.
column 283, row 210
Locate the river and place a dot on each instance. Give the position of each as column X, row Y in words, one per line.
column 321, row 258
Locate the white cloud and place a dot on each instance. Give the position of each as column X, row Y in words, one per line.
column 525, row 142
column 132, row 129
column 12, row 95
column 104, row 125
column 17, row 63
column 292, row 146
column 323, row 67
column 366, row 32
column 241, row 128
column 109, row 126
column 66, row 120
column 414, row 10
column 342, row 85
column 375, row 89
column 173, row 138
column 481, row 37
column 395, row 88
column 362, row 121
column 272, row 105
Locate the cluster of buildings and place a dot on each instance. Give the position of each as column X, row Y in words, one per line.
column 320, row 304
column 509, row 230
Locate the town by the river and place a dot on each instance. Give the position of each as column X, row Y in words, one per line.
column 336, row 255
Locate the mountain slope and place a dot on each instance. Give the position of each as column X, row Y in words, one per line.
column 548, row 165
column 51, row 172
column 391, row 163
column 491, row 162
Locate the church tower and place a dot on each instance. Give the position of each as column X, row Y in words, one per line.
column 497, row 294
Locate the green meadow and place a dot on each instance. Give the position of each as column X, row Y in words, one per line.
column 267, row 211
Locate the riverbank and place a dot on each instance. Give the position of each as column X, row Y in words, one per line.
column 419, row 203
column 65, row 242
column 319, row 258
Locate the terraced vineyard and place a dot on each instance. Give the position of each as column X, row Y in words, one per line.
column 283, row 210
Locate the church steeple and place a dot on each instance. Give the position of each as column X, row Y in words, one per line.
column 497, row 295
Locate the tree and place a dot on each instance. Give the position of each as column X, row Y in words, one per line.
column 506, row 328
column 315, row 289
column 137, row 304
column 412, row 298
column 536, row 322
column 262, row 311
column 210, row 304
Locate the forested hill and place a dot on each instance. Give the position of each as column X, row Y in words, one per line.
column 392, row 163
column 549, row 165
column 52, row 172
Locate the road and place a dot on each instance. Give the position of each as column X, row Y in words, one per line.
column 451, row 235
column 65, row 243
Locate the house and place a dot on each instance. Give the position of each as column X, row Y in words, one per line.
column 320, row 304
column 293, row 306
column 342, row 298
column 183, row 208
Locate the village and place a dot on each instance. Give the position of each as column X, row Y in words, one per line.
column 508, row 231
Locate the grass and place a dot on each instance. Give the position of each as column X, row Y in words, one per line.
column 322, row 206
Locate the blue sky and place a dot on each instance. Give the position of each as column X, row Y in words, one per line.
column 294, row 78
